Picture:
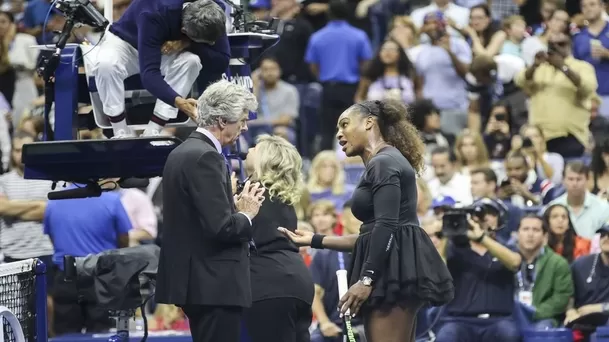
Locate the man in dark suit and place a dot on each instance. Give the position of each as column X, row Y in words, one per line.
column 204, row 262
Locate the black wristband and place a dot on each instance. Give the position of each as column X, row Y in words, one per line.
column 479, row 240
column 369, row 273
column 317, row 241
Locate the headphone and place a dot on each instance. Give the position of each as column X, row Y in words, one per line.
column 498, row 206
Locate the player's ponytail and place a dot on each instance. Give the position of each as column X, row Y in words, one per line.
column 397, row 130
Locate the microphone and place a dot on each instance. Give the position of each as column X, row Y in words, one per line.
column 84, row 192
column 132, row 182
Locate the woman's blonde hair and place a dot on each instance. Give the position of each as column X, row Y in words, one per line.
column 338, row 184
column 481, row 158
column 526, row 126
column 406, row 21
column 278, row 166
column 509, row 21
column 325, row 206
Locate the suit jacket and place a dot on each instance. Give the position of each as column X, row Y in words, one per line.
column 553, row 285
column 204, row 255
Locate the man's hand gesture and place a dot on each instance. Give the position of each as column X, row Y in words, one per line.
column 188, row 106
column 250, row 199
column 174, row 46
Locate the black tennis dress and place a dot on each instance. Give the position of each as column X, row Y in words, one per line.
column 392, row 249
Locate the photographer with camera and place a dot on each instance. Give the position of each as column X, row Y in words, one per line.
column 484, row 185
column 523, row 188
column 483, row 271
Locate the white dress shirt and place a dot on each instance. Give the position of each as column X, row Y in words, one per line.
column 459, row 188
column 216, row 143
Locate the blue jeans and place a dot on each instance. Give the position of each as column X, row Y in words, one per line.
column 462, row 329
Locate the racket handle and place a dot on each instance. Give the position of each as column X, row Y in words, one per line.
column 343, row 284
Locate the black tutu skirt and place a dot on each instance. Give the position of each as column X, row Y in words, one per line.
column 414, row 271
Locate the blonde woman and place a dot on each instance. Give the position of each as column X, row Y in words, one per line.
column 327, row 180
column 470, row 151
column 282, row 288
column 405, row 32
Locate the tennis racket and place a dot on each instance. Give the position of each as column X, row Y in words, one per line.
column 343, row 287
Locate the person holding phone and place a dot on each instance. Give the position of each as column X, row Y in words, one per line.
column 497, row 135
column 559, row 86
column 442, row 64
column 491, row 79
column 523, row 187
column 548, row 165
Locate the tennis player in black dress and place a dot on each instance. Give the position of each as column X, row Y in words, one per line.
column 282, row 287
column 395, row 267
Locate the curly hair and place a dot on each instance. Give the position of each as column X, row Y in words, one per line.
column 279, row 168
column 397, row 130
column 376, row 67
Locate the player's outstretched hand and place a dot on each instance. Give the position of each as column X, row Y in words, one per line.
column 299, row 237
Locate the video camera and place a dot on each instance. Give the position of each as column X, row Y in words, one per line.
column 455, row 220
column 114, row 279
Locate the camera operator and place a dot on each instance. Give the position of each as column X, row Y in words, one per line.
column 79, row 227
column 524, row 188
column 483, row 272
column 484, row 185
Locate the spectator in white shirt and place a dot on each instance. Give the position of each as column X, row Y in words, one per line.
column 447, row 181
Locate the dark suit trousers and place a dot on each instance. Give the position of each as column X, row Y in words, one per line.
column 279, row 320
column 214, row 323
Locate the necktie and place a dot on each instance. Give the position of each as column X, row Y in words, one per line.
column 251, row 243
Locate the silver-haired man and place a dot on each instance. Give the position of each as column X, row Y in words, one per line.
column 167, row 42
column 204, row 263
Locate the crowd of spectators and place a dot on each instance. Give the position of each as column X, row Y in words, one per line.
column 511, row 98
